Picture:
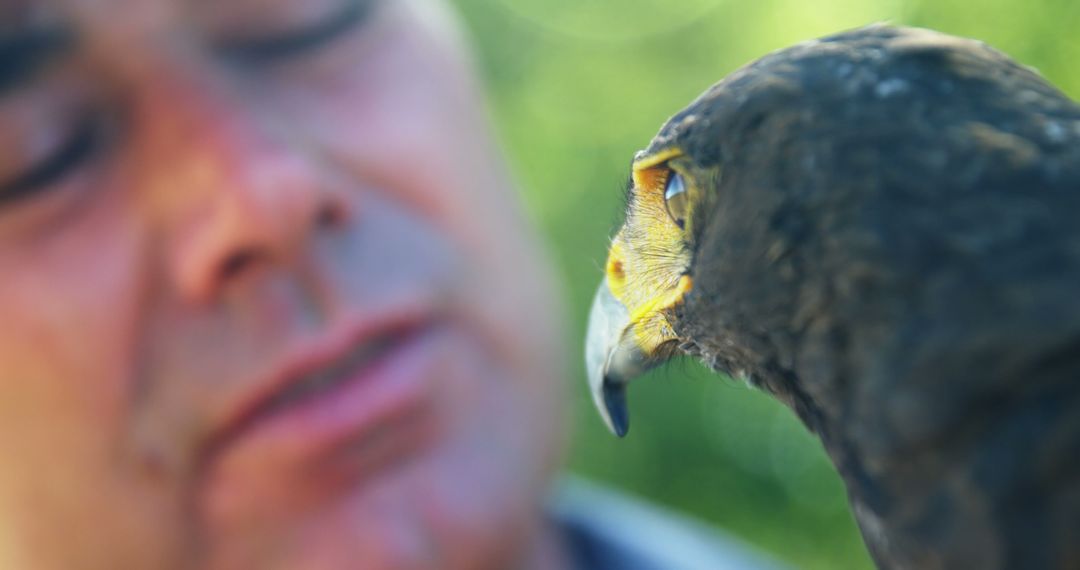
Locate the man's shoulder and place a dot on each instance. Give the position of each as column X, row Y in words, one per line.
column 609, row 530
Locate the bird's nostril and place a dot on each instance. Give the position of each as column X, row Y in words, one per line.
column 615, row 270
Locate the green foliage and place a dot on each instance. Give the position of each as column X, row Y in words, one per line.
column 577, row 86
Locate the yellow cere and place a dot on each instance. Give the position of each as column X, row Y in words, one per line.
column 649, row 256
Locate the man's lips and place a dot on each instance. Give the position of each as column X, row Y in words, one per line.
column 330, row 429
column 353, row 382
column 331, row 377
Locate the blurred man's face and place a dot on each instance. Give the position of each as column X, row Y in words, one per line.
column 266, row 299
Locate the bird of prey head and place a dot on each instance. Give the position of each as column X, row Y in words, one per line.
column 647, row 274
column 880, row 229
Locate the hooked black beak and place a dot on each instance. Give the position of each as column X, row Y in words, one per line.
column 613, row 358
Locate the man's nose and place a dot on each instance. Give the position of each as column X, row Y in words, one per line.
column 239, row 195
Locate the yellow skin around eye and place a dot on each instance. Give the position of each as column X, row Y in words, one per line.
column 648, row 258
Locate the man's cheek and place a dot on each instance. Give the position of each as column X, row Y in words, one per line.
column 46, row 379
column 61, row 403
column 67, row 344
column 403, row 119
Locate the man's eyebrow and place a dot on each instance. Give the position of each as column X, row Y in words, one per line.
column 24, row 53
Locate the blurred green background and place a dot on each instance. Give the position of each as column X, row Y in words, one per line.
column 576, row 87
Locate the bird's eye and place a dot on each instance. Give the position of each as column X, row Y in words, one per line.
column 676, row 199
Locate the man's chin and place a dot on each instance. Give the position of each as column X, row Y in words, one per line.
column 417, row 518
